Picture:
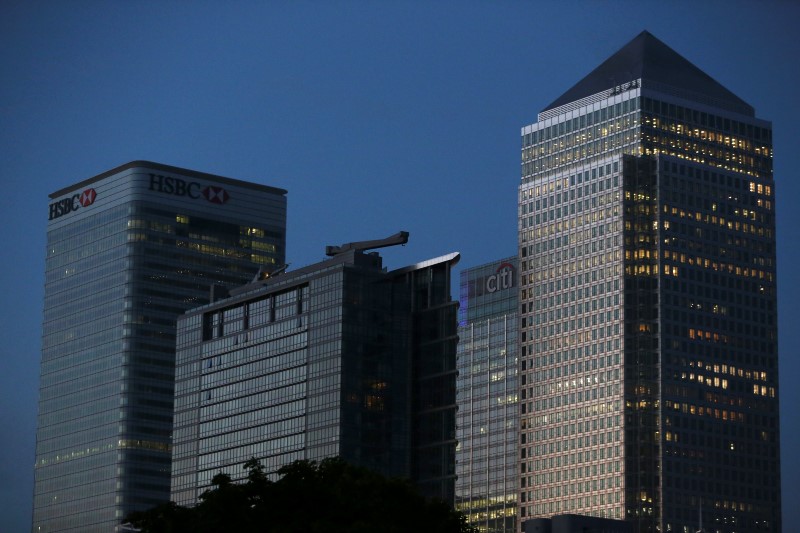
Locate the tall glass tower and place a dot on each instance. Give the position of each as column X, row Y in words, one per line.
column 127, row 252
column 649, row 364
column 487, row 392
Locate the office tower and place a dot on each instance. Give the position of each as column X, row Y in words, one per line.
column 649, row 364
column 339, row 358
column 487, row 454
column 127, row 252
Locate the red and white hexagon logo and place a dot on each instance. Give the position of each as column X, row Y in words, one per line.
column 87, row 197
column 215, row 195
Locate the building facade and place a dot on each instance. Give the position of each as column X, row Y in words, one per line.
column 340, row 358
column 487, row 455
column 649, row 364
column 569, row 523
column 127, row 252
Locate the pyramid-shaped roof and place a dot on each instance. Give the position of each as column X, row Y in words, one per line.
column 649, row 59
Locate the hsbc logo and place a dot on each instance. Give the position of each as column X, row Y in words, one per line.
column 87, row 197
column 192, row 189
column 73, row 203
column 215, row 195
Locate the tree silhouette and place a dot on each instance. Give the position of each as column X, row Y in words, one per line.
column 331, row 496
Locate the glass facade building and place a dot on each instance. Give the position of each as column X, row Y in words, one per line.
column 340, row 358
column 127, row 252
column 649, row 364
column 487, row 455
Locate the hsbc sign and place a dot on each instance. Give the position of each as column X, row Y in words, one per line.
column 158, row 183
column 191, row 189
column 73, row 203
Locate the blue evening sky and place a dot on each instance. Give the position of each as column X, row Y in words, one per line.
column 376, row 116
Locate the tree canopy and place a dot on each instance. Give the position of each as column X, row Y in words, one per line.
column 327, row 497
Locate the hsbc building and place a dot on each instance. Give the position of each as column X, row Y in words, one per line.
column 128, row 251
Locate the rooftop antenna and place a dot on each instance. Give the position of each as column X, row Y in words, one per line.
column 264, row 273
column 361, row 246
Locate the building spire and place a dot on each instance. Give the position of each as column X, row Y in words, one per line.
column 648, row 59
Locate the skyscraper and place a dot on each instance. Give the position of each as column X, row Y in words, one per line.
column 487, row 456
column 649, row 364
column 340, row 358
column 127, row 251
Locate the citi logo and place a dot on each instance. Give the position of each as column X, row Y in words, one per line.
column 502, row 279
column 192, row 189
column 73, row 203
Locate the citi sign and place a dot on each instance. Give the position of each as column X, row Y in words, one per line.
column 502, row 279
column 192, row 189
column 73, row 203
